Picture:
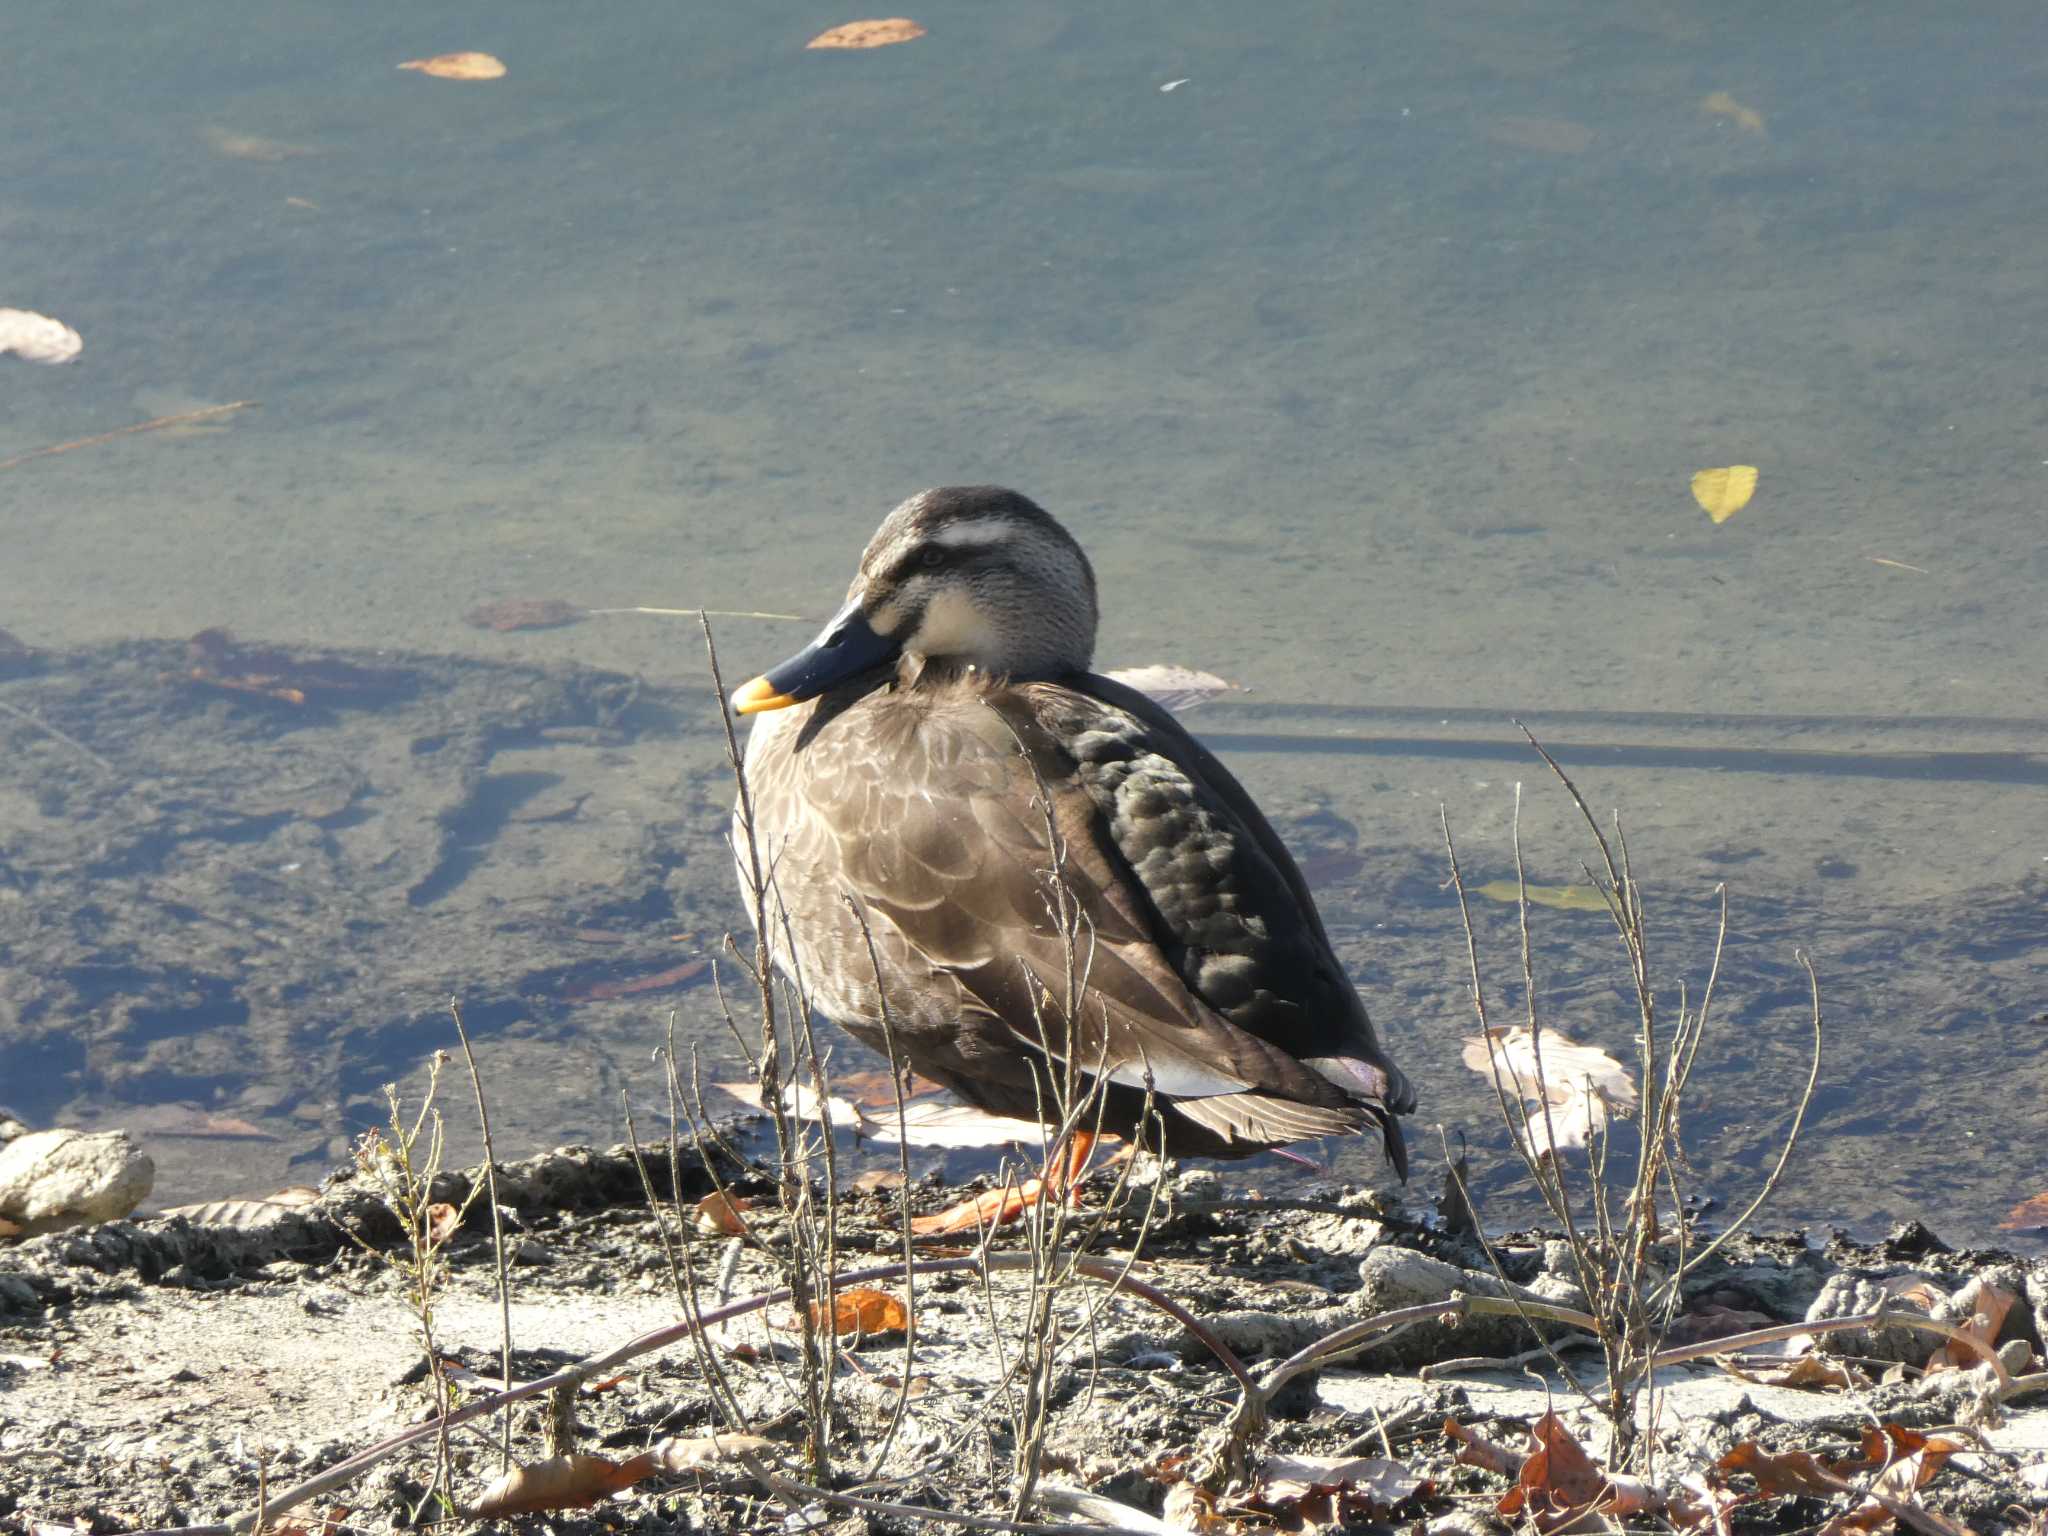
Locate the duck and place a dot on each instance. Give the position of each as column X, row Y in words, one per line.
column 940, row 772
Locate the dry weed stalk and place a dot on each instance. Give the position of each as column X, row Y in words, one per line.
column 1627, row 1265
column 402, row 1168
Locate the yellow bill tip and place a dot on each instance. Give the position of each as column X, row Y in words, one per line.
column 757, row 696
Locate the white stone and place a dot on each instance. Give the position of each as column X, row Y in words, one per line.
column 50, row 1180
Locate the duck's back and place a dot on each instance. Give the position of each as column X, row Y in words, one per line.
column 1208, row 973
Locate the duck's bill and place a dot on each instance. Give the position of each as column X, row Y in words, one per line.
column 846, row 647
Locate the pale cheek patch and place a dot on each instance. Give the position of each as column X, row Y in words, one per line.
column 952, row 627
column 885, row 619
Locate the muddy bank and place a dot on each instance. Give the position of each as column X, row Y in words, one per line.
column 152, row 1371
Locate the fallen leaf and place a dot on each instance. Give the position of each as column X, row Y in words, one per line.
column 458, row 66
column 1551, row 135
column 560, row 1482
column 1192, row 1509
column 218, row 660
column 868, row 34
column 1375, row 1481
column 37, row 338
column 1565, row 898
column 1807, row 1370
column 251, row 146
column 1582, row 1084
column 1981, row 1307
column 718, row 1214
column 930, row 1124
column 877, row 1089
column 878, row 1178
column 1781, row 1472
column 2028, row 1215
column 8, row 1228
column 510, row 613
column 1174, row 688
column 1722, row 493
column 247, row 1215
column 703, row 1453
column 1707, row 1323
column 1721, row 104
column 1477, row 1450
column 1558, row 1482
column 443, row 1222
column 866, row 1311
column 630, row 986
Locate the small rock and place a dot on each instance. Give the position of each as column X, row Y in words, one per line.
column 51, row 1180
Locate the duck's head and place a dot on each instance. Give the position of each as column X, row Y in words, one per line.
column 966, row 575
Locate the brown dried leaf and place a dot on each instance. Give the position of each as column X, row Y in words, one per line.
column 868, row 34
column 877, row 1089
column 1558, row 1482
column 703, row 1453
column 865, row 1311
column 510, row 613
column 878, row 1178
column 632, row 986
column 459, row 66
column 718, row 1215
column 1983, row 1306
column 1477, row 1450
column 1784, row 1472
column 1808, row 1370
column 443, row 1222
column 218, row 660
column 8, row 1228
column 560, row 1482
column 2028, row 1215
column 1709, row 1322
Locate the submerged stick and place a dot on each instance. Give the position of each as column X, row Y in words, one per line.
column 151, row 425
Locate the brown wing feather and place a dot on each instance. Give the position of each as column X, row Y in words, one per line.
column 922, row 806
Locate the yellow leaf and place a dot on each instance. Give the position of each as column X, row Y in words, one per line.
column 1566, row 898
column 1724, row 492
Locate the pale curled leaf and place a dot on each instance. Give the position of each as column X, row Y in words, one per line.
column 1174, row 688
column 1383, row 1483
column 37, row 338
column 1582, row 1084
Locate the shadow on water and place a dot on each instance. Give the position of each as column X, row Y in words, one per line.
column 255, row 918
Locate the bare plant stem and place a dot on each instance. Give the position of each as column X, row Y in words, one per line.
column 483, row 1118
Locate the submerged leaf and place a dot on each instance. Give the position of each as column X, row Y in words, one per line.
column 1565, row 898
column 1722, row 493
column 458, row 66
column 1721, row 104
column 1582, row 1084
column 868, row 34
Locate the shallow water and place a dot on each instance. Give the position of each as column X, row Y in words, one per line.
column 1371, row 364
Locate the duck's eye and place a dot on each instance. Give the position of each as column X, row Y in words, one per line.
column 932, row 558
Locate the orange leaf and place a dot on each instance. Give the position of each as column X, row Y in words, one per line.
column 1781, row 1473
column 458, row 66
column 868, row 34
column 2027, row 1215
column 718, row 1215
column 1559, row 1481
column 864, row 1310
